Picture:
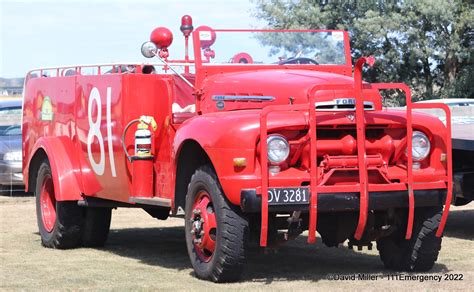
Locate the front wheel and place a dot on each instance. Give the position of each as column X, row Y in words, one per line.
column 418, row 253
column 216, row 231
column 60, row 223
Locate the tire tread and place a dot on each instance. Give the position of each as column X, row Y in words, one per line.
column 96, row 226
column 419, row 253
column 231, row 255
column 67, row 230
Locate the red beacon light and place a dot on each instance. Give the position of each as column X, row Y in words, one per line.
column 162, row 38
column 186, row 28
column 186, row 25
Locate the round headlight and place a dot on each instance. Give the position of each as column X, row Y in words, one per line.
column 278, row 149
column 420, row 146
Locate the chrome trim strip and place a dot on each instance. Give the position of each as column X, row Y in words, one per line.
column 242, row 98
column 368, row 105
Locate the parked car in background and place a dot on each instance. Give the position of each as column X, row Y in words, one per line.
column 452, row 101
column 10, row 144
column 462, row 127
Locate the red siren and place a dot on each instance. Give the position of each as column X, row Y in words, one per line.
column 161, row 37
column 207, row 36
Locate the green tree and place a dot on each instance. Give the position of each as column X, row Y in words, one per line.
column 427, row 44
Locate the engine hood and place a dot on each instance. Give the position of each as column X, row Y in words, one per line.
column 282, row 85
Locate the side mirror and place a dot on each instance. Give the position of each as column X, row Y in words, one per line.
column 149, row 50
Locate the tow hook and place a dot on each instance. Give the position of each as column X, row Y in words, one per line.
column 371, row 235
column 294, row 229
column 359, row 243
column 294, row 226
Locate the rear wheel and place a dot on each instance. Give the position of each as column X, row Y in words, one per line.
column 216, row 231
column 59, row 223
column 421, row 251
column 96, row 226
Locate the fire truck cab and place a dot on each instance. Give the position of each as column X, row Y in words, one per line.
column 259, row 135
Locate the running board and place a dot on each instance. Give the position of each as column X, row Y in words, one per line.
column 151, row 201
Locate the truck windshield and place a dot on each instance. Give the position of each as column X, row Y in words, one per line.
column 232, row 47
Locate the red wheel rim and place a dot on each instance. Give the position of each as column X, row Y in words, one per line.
column 203, row 226
column 48, row 204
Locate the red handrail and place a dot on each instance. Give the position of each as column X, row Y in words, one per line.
column 264, row 160
column 449, row 160
column 411, row 198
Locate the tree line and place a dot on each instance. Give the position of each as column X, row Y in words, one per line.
column 427, row 44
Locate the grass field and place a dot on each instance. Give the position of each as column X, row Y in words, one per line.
column 145, row 254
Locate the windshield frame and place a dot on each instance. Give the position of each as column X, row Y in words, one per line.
column 211, row 68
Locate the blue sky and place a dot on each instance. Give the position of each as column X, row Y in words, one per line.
column 49, row 33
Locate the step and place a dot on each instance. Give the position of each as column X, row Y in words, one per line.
column 155, row 201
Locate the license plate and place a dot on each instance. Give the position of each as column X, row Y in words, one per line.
column 288, row 196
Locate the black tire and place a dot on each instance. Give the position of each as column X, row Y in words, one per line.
column 231, row 235
column 96, row 226
column 420, row 252
column 67, row 229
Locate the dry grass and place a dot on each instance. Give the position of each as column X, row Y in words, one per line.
column 145, row 254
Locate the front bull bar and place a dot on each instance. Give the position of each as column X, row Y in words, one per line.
column 363, row 187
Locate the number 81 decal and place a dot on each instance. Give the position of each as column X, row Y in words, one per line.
column 94, row 131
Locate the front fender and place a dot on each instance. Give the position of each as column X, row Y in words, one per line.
column 223, row 136
column 233, row 130
column 228, row 135
column 65, row 167
column 222, row 140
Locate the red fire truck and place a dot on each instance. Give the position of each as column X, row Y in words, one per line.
column 258, row 135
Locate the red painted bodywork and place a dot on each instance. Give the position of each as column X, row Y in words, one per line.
column 141, row 176
column 318, row 139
